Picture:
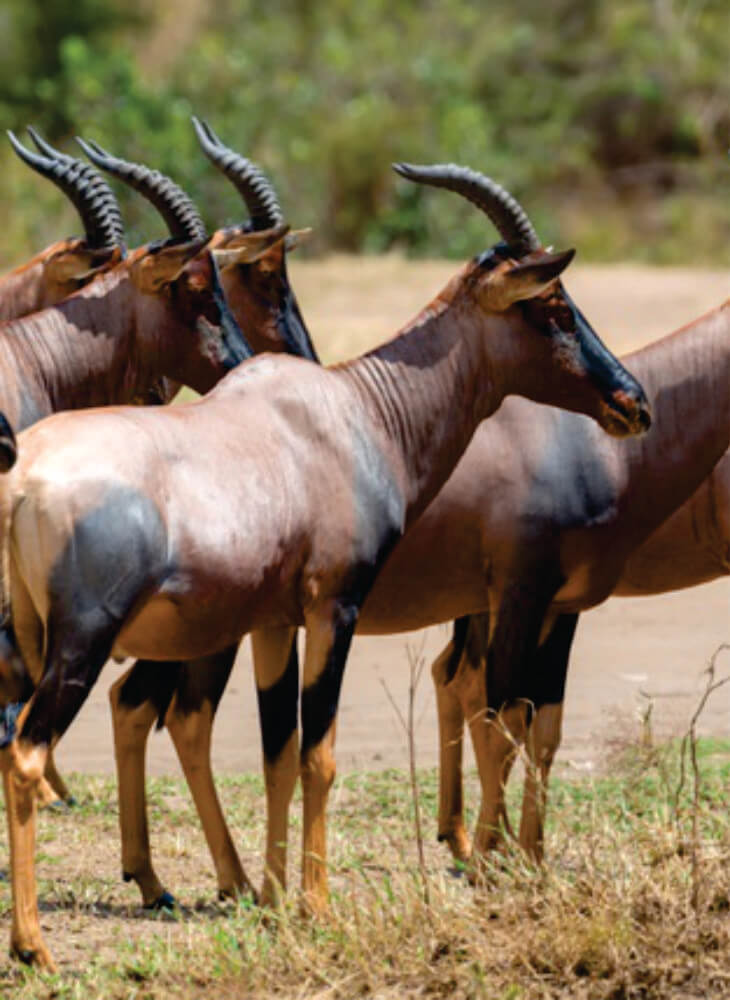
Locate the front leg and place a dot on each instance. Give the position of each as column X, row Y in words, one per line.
column 512, row 642
column 546, row 692
column 329, row 634
column 446, row 673
column 276, row 667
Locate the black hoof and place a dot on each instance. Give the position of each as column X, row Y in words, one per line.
column 72, row 801
column 26, row 955
column 164, row 902
column 127, row 876
column 58, row 805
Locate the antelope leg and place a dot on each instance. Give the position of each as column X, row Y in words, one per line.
column 329, row 634
column 22, row 766
column 190, row 723
column 276, row 667
column 132, row 720
column 547, row 691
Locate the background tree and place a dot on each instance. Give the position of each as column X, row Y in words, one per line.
column 611, row 118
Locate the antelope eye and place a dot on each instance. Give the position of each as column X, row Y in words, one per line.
column 563, row 318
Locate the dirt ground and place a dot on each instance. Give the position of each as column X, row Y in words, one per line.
column 626, row 650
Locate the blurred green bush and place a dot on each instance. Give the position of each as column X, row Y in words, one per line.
column 610, row 119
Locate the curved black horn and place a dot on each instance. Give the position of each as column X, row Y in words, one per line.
column 91, row 195
column 251, row 183
column 176, row 208
column 45, row 148
column 505, row 211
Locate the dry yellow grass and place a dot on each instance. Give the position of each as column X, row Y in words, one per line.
column 353, row 303
column 634, row 903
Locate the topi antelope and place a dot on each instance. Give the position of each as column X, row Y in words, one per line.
column 261, row 292
column 258, row 293
column 256, row 285
column 66, row 265
column 124, row 561
column 585, row 520
column 539, row 501
column 160, row 311
column 158, row 314
column 464, row 524
column 253, row 277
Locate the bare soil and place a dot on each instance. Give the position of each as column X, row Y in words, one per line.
column 627, row 651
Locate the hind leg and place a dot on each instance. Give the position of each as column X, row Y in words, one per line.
column 276, row 666
column 22, row 769
column 190, row 723
column 458, row 674
column 56, row 782
column 75, row 653
column 132, row 721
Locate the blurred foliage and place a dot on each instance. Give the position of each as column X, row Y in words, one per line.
column 609, row 119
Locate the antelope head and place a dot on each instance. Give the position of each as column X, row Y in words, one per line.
column 179, row 285
column 255, row 278
column 68, row 264
column 548, row 345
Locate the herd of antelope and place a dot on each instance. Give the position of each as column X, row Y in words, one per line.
column 292, row 495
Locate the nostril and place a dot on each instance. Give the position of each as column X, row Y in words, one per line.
column 644, row 418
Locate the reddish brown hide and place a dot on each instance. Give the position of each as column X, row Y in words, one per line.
column 126, row 559
column 49, row 277
column 539, row 498
column 153, row 314
column 610, row 544
column 187, row 701
column 254, row 279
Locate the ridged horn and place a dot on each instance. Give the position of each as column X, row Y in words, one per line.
column 45, row 148
column 251, row 183
column 91, row 195
column 176, row 208
column 505, row 211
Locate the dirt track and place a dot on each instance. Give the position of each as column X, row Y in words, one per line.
column 655, row 645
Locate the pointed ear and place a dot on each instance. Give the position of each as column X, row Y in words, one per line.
column 525, row 278
column 238, row 237
column 245, row 248
column 161, row 265
column 295, row 237
column 78, row 262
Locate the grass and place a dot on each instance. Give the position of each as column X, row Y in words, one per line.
column 613, row 915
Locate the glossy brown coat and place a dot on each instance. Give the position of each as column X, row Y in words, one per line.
column 275, row 444
column 543, row 515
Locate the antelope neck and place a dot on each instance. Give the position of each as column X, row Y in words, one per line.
column 429, row 388
column 20, row 290
column 687, row 378
column 78, row 354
